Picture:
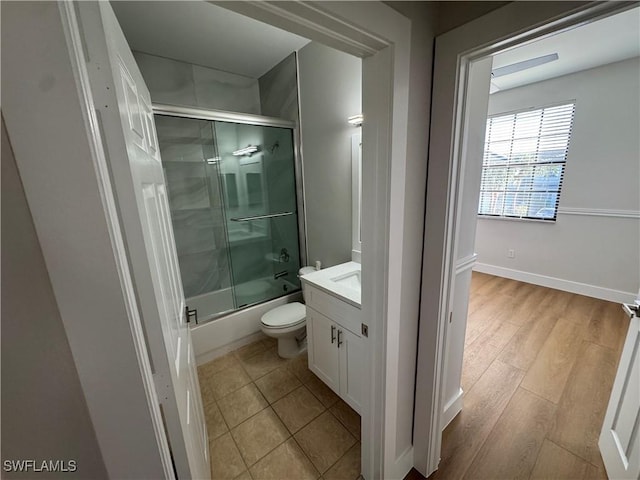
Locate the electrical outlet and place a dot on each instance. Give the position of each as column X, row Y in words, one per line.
column 511, row 253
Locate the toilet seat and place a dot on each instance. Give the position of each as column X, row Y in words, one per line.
column 285, row 316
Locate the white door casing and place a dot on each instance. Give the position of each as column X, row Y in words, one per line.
column 123, row 104
column 466, row 207
column 620, row 437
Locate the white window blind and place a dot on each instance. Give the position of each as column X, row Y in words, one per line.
column 524, row 161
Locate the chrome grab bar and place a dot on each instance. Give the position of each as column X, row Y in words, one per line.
column 260, row 217
column 278, row 275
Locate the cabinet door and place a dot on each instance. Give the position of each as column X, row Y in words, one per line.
column 322, row 346
column 351, row 349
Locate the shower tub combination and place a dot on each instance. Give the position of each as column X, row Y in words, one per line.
column 235, row 193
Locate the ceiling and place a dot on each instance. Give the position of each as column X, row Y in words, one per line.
column 605, row 41
column 204, row 34
column 212, row 36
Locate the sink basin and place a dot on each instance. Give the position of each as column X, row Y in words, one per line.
column 342, row 281
column 351, row 280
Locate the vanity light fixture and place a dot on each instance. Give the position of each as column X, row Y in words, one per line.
column 356, row 120
column 213, row 161
column 246, row 151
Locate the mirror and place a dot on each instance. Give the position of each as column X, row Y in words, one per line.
column 356, row 196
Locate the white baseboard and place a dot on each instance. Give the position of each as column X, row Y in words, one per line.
column 594, row 291
column 452, row 408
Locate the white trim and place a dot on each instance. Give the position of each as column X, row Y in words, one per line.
column 451, row 409
column 466, row 263
column 617, row 296
column 401, row 463
column 599, row 212
column 356, row 256
column 314, row 22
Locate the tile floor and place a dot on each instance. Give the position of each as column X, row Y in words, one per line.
column 270, row 418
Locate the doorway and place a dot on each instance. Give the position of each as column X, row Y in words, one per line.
column 457, row 250
column 384, row 125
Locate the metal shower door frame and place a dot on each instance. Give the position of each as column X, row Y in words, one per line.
column 258, row 120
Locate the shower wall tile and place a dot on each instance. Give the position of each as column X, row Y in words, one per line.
column 172, row 152
column 225, row 91
column 249, row 260
column 214, row 188
column 193, row 240
column 200, row 273
column 180, row 83
column 169, row 81
column 279, row 90
column 168, row 129
column 187, row 186
column 188, row 193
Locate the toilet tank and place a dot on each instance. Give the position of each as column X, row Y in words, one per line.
column 304, row 271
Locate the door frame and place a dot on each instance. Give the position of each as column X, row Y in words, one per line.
column 76, row 217
column 502, row 29
column 380, row 36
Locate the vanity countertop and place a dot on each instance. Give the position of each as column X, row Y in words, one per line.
column 341, row 280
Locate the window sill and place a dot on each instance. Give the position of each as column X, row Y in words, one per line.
column 515, row 219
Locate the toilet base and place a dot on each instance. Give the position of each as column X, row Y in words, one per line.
column 291, row 347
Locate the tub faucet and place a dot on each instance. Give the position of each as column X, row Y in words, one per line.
column 283, row 273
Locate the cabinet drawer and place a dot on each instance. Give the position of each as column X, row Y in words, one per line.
column 337, row 310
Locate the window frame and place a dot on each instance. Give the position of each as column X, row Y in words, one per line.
column 509, row 163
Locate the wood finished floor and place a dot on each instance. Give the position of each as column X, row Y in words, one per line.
column 539, row 365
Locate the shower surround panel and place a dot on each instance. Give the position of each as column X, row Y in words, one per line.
column 234, row 215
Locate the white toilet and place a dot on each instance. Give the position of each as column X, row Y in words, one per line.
column 288, row 324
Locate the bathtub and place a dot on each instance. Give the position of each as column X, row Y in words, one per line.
column 225, row 333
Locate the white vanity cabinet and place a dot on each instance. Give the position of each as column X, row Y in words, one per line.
column 335, row 349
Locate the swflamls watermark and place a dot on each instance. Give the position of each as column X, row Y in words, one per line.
column 30, row 465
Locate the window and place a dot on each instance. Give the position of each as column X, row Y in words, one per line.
column 524, row 160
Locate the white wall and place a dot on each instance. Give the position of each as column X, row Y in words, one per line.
column 179, row 83
column 402, row 374
column 596, row 252
column 44, row 412
column 330, row 85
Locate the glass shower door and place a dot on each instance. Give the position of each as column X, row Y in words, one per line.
column 191, row 169
column 258, row 177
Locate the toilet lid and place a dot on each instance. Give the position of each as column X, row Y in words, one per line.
column 285, row 315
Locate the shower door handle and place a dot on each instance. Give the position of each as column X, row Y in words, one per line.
column 260, row 217
column 333, row 333
column 191, row 313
